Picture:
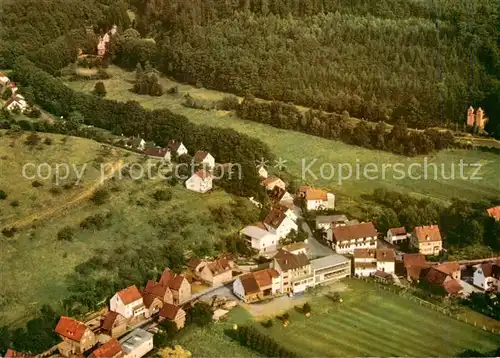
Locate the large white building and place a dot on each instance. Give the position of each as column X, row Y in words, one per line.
column 201, row 181
column 487, row 276
column 259, row 238
column 137, row 344
column 129, row 303
column 396, row 235
column 369, row 261
column 345, row 239
column 279, row 222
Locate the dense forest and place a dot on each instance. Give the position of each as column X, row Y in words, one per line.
column 422, row 61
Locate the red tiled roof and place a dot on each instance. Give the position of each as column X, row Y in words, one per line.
column 435, row 277
column 70, row 328
column 386, row 255
column 174, row 144
column 176, row 282
column 316, row 194
column 414, row 260
column 494, row 212
column 274, row 218
column 364, row 253
column 219, row 267
column 156, row 152
column 149, row 298
column 428, row 233
column 129, row 295
column 203, row 174
column 199, row 156
column 166, row 276
column 169, row 311
column 156, row 289
column 110, row 349
column 357, row 231
column 417, row 273
column 265, row 277
column 452, row 287
column 109, row 320
column 398, row 231
column 249, row 284
column 448, row 267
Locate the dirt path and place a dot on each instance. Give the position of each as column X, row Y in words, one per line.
column 84, row 195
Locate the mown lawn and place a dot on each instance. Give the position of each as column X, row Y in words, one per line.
column 373, row 322
column 299, row 150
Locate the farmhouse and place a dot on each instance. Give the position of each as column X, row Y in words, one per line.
column 77, row 337
column 152, row 303
column 201, row 181
column 349, row 237
column 494, row 212
column 487, row 276
column 271, row 182
column 128, row 302
column 396, row 235
column 114, row 324
column 177, row 148
column 259, row 238
column 296, row 248
column 204, row 158
column 178, row 284
column 279, row 223
column 110, row 349
column 257, row 285
column 136, row 143
column 415, row 266
column 368, row 261
column 295, row 271
column 16, row 102
column 317, row 199
column 215, row 273
column 427, row 239
column 158, row 290
column 173, row 313
column 137, row 343
column 326, row 222
column 158, row 152
column 441, row 280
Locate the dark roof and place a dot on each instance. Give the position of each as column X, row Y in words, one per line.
column 218, row 267
column 110, row 349
column 156, row 289
column 156, row 152
column 427, row 233
column 357, row 231
column 174, row 144
column 250, row 284
column 435, row 277
column 70, row 328
column 109, row 320
column 417, row 273
column 169, row 311
column 491, row 269
column 199, row 156
column 276, row 194
column 149, row 298
column 274, row 218
column 288, row 261
column 382, row 274
column 448, row 267
column 386, row 255
column 364, row 253
column 176, row 282
column 414, row 260
column 452, row 287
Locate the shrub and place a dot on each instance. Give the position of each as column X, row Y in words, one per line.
column 9, row 232
column 268, row 323
column 97, row 221
column 33, row 139
column 100, row 89
column 47, row 141
column 55, row 190
column 228, row 103
column 66, row 234
column 100, row 196
column 14, row 203
column 33, row 112
column 36, row 184
column 3, row 195
column 163, row 195
column 306, row 308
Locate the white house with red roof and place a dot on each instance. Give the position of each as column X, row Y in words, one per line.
column 17, row 101
column 176, row 147
column 396, row 235
column 279, row 223
column 201, row 181
column 204, row 158
column 129, row 303
column 345, row 239
column 259, row 238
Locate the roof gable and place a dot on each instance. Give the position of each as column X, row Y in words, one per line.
column 427, row 233
column 70, row 328
column 494, row 212
column 288, row 261
column 357, row 231
column 274, row 218
column 169, row 311
column 129, row 295
column 397, row 231
column 110, row 349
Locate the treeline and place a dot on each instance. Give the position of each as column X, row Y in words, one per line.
column 463, row 223
column 382, row 61
column 399, row 140
column 159, row 126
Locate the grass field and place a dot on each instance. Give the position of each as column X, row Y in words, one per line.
column 293, row 147
column 35, row 265
column 373, row 322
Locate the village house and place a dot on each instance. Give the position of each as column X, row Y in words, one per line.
column 173, row 313
column 415, row 266
column 204, row 158
column 17, row 101
column 325, row 222
column 296, row 248
column 280, row 196
column 287, row 210
column 113, row 324
column 442, row 281
column 279, row 223
column 317, row 199
column 450, row 268
column 427, row 239
column 201, row 181
column 136, row 143
column 178, row 284
column 271, row 182
column 330, row 268
column 159, row 290
column 152, row 303
column 137, row 343
column 261, row 170
column 494, row 212
column 77, row 337
column 215, row 273
column 255, row 286
column 110, row 349
column 369, row 261
column 487, row 276
column 259, row 238
column 177, row 148
column 129, row 303
column 396, row 235
column 162, row 153
column 295, row 271
column 347, row 238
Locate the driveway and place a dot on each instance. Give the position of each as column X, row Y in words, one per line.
column 315, row 248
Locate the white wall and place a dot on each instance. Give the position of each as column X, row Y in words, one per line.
column 238, row 289
column 385, row 266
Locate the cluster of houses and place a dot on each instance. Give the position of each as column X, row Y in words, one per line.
column 201, row 181
column 16, row 100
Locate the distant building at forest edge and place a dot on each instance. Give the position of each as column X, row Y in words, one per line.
column 477, row 119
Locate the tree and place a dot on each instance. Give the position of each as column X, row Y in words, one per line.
column 100, row 196
column 3, row 195
column 201, row 314
column 306, row 308
column 100, row 89
column 163, row 195
column 7, row 93
column 33, row 139
column 66, row 234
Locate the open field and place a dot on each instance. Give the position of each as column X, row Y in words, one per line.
column 295, row 147
column 373, row 322
column 35, row 264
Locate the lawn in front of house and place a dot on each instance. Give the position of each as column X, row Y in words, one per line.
column 373, row 322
